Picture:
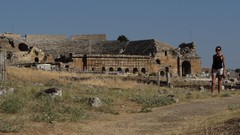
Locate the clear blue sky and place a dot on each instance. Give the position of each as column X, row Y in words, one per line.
column 207, row 22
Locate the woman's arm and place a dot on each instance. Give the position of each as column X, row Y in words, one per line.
column 212, row 64
column 224, row 66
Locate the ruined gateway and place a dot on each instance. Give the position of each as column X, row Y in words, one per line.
column 94, row 53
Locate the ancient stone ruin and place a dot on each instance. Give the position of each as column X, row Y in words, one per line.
column 94, row 53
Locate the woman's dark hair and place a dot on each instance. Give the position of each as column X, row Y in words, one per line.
column 218, row 47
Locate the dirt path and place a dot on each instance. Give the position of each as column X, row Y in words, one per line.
column 160, row 121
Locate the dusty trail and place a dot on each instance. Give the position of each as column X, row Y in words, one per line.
column 160, row 121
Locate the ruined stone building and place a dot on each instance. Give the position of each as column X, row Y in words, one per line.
column 97, row 54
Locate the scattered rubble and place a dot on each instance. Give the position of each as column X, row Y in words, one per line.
column 95, row 102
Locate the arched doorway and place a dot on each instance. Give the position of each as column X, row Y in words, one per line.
column 36, row 60
column 103, row 69
column 84, row 60
column 162, row 73
column 143, row 70
column 135, row 70
column 119, row 69
column 110, row 69
column 186, row 68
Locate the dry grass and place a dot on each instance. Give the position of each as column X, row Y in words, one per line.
column 42, row 76
column 34, row 75
column 224, row 123
column 116, row 93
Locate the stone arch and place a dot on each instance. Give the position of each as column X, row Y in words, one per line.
column 158, row 61
column 111, row 69
column 186, row 68
column 103, row 69
column 93, row 69
column 119, row 69
column 67, row 66
column 23, row 47
column 135, row 70
column 143, row 70
column 126, row 70
column 36, row 60
column 162, row 73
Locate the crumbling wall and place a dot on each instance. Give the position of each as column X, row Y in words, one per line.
column 12, row 36
column 187, row 52
column 166, row 59
column 173, row 58
column 187, row 49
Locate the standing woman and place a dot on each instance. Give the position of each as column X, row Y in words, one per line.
column 218, row 69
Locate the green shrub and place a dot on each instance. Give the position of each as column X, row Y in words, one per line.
column 53, row 82
column 226, row 95
column 48, row 109
column 12, row 105
column 107, row 109
column 45, row 109
column 11, row 125
column 234, row 106
column 75, row 113
column 150, row 102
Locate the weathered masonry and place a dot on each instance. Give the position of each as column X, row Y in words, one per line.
column 111, row 63
column 95, row 53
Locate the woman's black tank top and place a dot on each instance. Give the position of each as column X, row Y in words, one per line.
column 217, row 62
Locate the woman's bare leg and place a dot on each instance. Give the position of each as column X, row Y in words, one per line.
column 213, row 83
column 219, row 84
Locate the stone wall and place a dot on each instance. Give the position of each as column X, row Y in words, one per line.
column 100, row 37
column 196, row 66
column 165, row 59
column 124, row 63
column 12, row 36
column 45, row 38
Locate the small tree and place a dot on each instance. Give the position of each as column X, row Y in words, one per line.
column 122, row 38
